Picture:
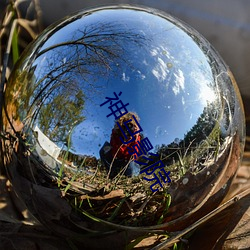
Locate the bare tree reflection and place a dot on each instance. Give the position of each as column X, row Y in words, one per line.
column 64, row 75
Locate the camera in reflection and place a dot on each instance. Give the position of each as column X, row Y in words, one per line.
column 129, row 129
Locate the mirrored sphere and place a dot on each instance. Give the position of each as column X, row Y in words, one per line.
column 121, row 119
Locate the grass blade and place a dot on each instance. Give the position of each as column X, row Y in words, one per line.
column 14, row 45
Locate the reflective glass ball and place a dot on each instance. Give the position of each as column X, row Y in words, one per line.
column 121, row 119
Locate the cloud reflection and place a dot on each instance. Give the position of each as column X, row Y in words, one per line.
column 179, row 82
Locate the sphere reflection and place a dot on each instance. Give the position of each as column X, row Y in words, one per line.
column 181, row 92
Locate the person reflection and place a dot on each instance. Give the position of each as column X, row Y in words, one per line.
column 115, row 155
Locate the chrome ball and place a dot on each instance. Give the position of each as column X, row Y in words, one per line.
column 115, row 112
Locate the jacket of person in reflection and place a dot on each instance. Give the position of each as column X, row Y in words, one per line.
column 118, row 149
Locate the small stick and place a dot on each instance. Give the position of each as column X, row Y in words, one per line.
column 176, row 238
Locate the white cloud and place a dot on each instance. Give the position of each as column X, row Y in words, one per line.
column 125, row 78
column 179, row 82
column 161, row 70
column 142, row 76
column 183, row 100
column 154, row 52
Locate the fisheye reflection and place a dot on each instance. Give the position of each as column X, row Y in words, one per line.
column 184, row 112
column 70, row 76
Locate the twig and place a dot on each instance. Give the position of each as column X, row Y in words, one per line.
column 111, row 164
column 5, row 64
column 176, row 238
column 29, row 235
column 38, row 15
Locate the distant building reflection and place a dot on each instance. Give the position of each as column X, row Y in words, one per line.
column 47, row 150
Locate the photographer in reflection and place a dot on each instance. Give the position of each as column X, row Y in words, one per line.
column 115, row 155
